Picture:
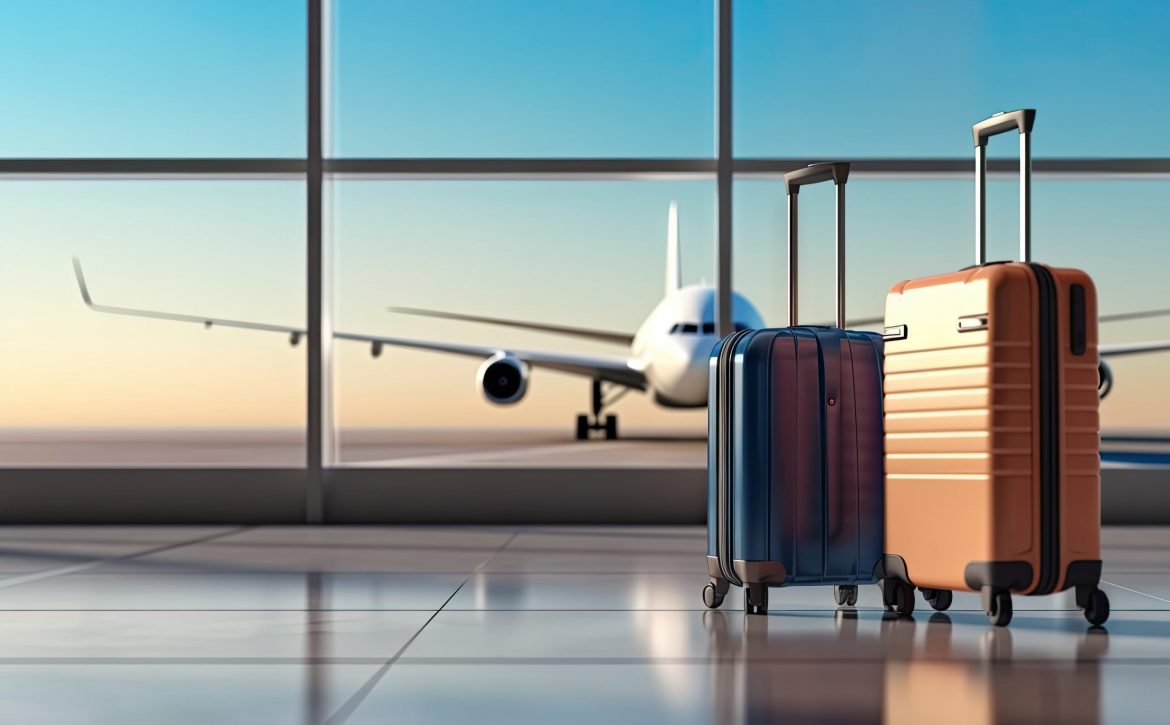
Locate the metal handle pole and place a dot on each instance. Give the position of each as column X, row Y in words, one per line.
column 1025, row 197
column 792, row 260
column 980, row 204
column 840, row 256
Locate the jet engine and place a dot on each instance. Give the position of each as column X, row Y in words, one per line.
column 1104, row 379
column 503, row 379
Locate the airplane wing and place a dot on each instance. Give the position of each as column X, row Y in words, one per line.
column 619, row 338
column 610, row 369
column 1132, row 348
column 295, row 333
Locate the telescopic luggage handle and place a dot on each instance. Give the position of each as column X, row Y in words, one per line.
column 838, row 172
column 1021, row 121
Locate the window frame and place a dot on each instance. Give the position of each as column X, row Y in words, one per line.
column 319, row 492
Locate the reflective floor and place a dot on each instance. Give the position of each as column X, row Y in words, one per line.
column 531, row 625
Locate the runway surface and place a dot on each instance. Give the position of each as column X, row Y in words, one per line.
column 417, row 448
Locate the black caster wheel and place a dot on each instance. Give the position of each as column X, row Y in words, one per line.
column 939, row 599
column 1097, row 610
column 712, row 597
column 846, row 594
column 997, row 604
column 898, row 597
column 611, row 427
column 755, row 599
column 582, row 427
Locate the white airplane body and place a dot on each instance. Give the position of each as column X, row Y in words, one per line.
column 668, row 356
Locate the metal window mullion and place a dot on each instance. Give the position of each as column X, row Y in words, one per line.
column 725, row 171
column 559, row 168
column 319, row 431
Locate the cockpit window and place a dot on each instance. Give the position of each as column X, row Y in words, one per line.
column 707, row 328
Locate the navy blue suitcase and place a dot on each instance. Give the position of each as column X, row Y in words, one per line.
column 796, row 491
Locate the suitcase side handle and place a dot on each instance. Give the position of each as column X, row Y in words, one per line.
column 838, row 173
column 1022, row 121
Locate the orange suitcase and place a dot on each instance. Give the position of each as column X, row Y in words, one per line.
column 992, row 446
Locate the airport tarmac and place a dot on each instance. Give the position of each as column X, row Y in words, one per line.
column 389, row 448
column 418, row 448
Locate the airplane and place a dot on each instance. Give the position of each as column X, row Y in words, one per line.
column 668, row 355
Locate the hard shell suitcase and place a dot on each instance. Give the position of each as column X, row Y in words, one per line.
column 795, row 446
column 992, row 432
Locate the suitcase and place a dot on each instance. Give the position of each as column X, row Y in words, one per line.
column 795, row 446
column 992, row 433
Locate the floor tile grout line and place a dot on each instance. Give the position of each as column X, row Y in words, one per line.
column 534, row 610
column 562, row 661
column 217, row 571
column 347, row 709
column 351, row 705
column 1135, row 591
column 557, row 661
column 485, row 562
column 95, row 563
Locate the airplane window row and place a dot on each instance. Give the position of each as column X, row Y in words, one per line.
column 707, row 328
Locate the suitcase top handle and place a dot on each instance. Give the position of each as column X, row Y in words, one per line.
column 838, row 172
column 1021, row 121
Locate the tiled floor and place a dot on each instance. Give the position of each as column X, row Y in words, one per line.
column 531, row 625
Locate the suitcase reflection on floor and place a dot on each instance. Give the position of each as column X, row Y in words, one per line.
column 892, row 669
column 991, row 685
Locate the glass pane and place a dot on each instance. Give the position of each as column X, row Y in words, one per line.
column 153, row 78
column 894, row 230
column 523, row 78
column 88, row 388
column 1114, row 230
column 857, row 78
column 588, row 255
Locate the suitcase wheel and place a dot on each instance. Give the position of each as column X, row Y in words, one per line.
column 846, row 594
column 1097, row 609
column 997, row 603
column 938, row 599
column 755, row 599
column 714, row 592
column 898, row 597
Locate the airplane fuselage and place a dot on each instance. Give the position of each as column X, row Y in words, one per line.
column 673, row 345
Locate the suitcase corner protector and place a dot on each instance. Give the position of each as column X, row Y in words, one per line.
column 892, row 566
column 1010, row 575
column 760, row 572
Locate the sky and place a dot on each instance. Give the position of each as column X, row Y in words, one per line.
column 528, row 78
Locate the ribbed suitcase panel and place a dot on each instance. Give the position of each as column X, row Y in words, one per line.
column 826, row 525
column 1080, row 510
column 960, row 426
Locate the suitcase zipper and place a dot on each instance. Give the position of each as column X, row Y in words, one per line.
column 723, row 470
column 1049, row 432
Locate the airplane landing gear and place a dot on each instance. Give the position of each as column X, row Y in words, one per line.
column 586, row 423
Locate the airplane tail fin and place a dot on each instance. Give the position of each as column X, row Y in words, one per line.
column 673, row 261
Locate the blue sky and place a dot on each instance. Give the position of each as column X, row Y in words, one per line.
column 532, row 78
column 578, row 77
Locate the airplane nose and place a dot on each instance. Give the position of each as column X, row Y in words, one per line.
column 680, row 368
